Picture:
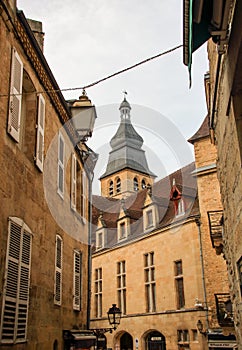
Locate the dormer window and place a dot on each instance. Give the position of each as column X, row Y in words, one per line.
column 111, row 188
column 118, row 185
column 100, row 239
column 149, row 218
column 136, row 184
column 122, row 230
column 180, row 208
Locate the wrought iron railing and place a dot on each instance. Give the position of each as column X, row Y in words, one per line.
column 215, row 219
column 224, row 310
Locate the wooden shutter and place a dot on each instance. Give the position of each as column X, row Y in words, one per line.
column 61, row 150
column 15, row 96
column 73, row 181
column 17, row 282
column 77, row 269
column 58, row 270
column 84, row 195
column 40, row 133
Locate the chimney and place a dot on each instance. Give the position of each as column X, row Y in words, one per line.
column 36, row 28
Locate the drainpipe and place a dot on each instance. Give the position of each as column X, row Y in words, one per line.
column 89, row 263
column 198, row 222
column 214, row 110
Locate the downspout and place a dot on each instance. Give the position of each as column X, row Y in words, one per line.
column 89, row 263
column 214, row 110
column 198, row 222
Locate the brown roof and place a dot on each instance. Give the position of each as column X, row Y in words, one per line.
column 202, row 132
column 110, row 208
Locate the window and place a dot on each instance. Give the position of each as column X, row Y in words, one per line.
column 136, row 184
column 77, row 270
column 17, row 281
column 239, row 265
column 150, row 288
column 39, row 158
column 180, row 208
column 121, row 286
column 99, row 239
column 179, row 284
column 149, row 218
column 122, row 230
column 194, row 335
column 15, row 101
column 183, row 339
column 98, row 292
column 111, row 188
column 84, row 195
column 118, row 185
column 73, row 181
column 143, row 184
column 58, row 270
column 61, row 150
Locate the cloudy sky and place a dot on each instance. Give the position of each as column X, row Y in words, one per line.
column 88, row 40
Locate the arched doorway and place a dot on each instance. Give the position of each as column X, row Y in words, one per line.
column 126, row 342
column 155, row 341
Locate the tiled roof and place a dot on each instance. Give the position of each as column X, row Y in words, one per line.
column 134, row 204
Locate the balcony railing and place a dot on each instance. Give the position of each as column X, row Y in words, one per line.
column 215, row 219
column 224, row 310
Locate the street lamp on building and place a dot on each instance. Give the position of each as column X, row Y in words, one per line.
column 83, row 116
column 114, row 316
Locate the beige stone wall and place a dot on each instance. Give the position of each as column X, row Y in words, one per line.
column 215, row 271
column 168, row 246
column 127, row 187
column 227, row 124
column 22, row 195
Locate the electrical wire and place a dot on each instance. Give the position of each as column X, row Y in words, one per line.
column 102, row 79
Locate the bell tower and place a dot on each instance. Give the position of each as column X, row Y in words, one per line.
column 127, row 169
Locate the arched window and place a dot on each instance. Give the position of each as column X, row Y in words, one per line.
column 111, row 188
column 143, row 184
column 136, row 184
column 118, row 185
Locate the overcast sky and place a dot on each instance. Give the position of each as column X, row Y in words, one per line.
column 88, row 40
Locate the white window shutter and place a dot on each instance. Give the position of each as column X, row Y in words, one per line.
column 77, row 268
column 58, row 270
column 15, row 96
column 17, row 283
column 73, row 181
column 40, row 133
column 61, row 157
column 84, row 194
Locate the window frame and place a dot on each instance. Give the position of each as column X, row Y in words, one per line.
column 58, row 270
column 179, row 284
column 61, row 165
column 77, row 280
column 18, row 263
column 150, row 282
column 98, row 292
column 39, row 158
column 121, row 286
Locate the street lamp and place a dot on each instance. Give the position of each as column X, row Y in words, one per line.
column 114, row 316
column 83, row 116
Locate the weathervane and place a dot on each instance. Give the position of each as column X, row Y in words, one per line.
column 125, row 93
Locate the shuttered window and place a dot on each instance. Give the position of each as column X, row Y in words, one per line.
column 40, row 133
column 17, row 280
column 77, row 270
column 73, row 181
column 15, row 96
column 58, row 270
column 61, row 154
column 84, row 195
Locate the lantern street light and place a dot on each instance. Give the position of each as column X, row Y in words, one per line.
column 83, row 116
column 114, row 316
column 200, row 328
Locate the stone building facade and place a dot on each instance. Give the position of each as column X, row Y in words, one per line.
column 222, row 24
column 44, row 193
column 154, row 258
